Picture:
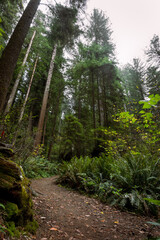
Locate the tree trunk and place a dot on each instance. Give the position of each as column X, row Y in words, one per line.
column 28, row 91
column 79, row 100
column 93, row 101
column 105, row 111
column 11, row 52
column 29, row 129
column 13, row 93
column 98, row 100
column 45, row 99
column 53, row 129
column 44, row 128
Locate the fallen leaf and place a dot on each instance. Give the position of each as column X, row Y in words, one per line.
column 102, row 220
column 116, row 222
column 53, row 229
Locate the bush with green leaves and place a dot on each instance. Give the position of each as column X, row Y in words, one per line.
column 74, row 172
column 38, row 167
column 122, row 181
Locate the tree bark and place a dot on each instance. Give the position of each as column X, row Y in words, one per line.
column 13, row 93
column 93, row 101
column 45, row 100
column 105, row 114
column 11, row 52
column 28, row 91
column 29, row 129
column 53, row 129
column 98, row 101
column 79, row 100
column 44, row 128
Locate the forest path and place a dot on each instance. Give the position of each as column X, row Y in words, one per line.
column 66, row 215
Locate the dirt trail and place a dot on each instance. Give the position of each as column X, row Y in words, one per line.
column 66, row 215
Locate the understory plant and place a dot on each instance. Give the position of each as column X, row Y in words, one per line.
column 39, row 167
column 122, row 181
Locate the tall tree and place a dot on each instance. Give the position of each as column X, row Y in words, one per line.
column 153, row 71
column 28, row 91
column 153, row 80
column 153, row 53
column 63, row 31
column 134, row 75
column 45, row 99
column 11, row 52
column 14, row 89
column 99, row 32
column 95, row 69
column 13, row 48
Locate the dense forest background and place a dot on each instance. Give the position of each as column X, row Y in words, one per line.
column 70, row 110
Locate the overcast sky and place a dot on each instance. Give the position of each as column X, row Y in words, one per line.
column 133, row 22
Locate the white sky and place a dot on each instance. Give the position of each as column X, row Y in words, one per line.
column 133, row 22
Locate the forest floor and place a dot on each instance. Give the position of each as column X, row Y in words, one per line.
column 64, row 214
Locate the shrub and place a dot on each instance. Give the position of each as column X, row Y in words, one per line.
column 37, row 167
column 122, row 181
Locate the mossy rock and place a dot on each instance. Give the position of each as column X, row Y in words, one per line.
column 15, row 193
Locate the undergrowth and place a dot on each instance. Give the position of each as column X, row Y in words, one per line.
column 122, row 181
column 39, row 167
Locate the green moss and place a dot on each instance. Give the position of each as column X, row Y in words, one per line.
column 31, row 227
column 5, row 184
column 10, row 168
column 11, row 210
column 6, row 181
column 7, row 177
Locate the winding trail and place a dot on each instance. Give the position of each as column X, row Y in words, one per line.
column 66, row 215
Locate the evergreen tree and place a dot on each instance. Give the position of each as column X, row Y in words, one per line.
column 153, row 53
column 153, row 71
column 63, row 32
column 13, row 48
column 153, row 80
column 94, row 70
column 133, row 76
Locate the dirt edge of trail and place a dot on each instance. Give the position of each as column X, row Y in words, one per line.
column 67, row 215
